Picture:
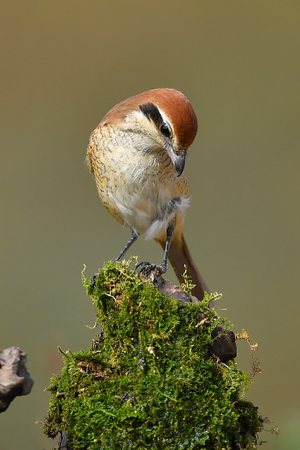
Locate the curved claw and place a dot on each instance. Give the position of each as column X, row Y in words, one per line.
column 147, row 267
column 142, row 263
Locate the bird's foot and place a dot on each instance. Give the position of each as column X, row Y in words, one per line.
column 94, row 277
column 145, row 268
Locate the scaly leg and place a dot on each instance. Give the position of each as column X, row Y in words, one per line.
column 132, row 239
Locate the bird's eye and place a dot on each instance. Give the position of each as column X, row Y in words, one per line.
column 166, row 130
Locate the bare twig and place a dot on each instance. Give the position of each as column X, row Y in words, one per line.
column 14, row 378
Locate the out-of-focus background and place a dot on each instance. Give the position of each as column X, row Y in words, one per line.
column 63, row 65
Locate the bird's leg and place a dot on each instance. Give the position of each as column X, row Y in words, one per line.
column 132, row 239
column 164, row 263
column 146, row 267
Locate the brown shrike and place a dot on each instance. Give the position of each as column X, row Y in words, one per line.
column 137, row 155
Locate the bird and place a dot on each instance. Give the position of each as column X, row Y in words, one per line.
column 137, row 155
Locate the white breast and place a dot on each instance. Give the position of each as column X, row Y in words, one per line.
column 145, row 199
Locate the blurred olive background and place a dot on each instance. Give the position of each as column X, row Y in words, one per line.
column 63, row 65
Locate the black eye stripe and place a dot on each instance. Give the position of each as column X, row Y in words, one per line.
column 151, row 111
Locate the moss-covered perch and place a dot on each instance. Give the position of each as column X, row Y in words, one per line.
column 148, row 380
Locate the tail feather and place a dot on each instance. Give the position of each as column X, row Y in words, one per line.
column 180, row 257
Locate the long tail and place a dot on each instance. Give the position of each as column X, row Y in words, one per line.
column 180, row 257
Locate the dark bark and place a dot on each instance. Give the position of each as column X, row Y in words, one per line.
column 224, row 346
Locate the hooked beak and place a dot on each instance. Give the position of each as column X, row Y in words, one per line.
column 177, row 159
column 179, row 163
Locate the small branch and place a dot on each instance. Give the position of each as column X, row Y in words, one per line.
column 14, row 378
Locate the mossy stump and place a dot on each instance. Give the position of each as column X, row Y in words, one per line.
column 147, row 381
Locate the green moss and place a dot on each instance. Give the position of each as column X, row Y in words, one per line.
column 147, row 380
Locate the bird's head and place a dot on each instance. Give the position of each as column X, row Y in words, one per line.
column 163, row 119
